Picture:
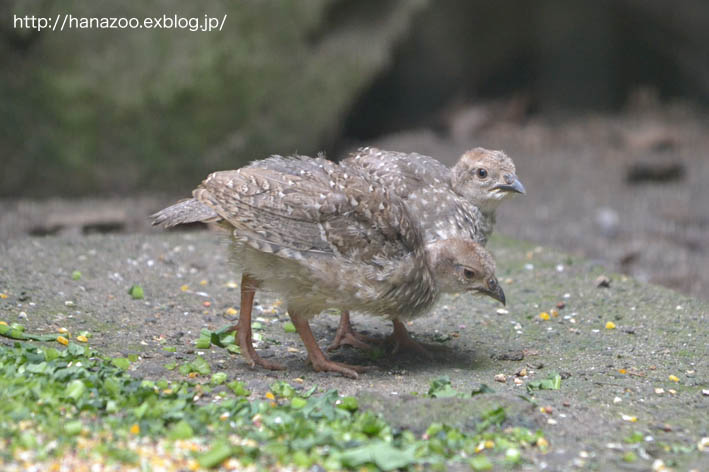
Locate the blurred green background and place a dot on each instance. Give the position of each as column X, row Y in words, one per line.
column 114, row 112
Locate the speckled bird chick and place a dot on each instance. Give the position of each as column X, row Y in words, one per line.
column 461, row 200
column 447, row 202
column 322, row 235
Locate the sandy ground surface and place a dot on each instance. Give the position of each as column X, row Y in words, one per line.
column 616, row 382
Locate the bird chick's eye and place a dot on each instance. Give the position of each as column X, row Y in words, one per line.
column 469, row 274
column 492, row 284
column 482, row 173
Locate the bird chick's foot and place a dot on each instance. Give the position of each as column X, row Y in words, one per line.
column 316, row 357
column 323, row 364
column 347, row 336
column 401, row 341
column 254, row 359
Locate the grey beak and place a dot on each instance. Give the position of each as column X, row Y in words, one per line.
column 514, row 186
column 498, row 294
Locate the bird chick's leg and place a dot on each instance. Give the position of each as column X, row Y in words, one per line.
column 243, row 328
column 402, row 341
column 316, row 357
column 347, row 336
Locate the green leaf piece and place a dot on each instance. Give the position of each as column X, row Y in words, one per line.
column 218, row 378
column 136, row 292
column 289, row 327
column 75, row 389
column 238, row 389
column 215, row 456
column 200, row 365
column 282, row 389
column 121, row 362
column 441, row 388
column 348, row 403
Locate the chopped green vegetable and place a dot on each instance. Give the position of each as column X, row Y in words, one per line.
column 238, row 389
column 441, row 388
column 215, row 456
column 58, row 400
column 282, row 389
column 121, row 362
column 289, row 327
column 552, row 382
column 348, row 403
column 218, row 378
column 76, row 275
column 200, row 366
column 136, row 292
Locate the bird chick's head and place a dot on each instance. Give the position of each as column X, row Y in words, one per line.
column 460, row 265
column 485, row 178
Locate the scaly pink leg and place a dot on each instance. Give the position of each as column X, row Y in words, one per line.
column 346, row 336
column 402, row 341
column 316, row 357
column 243, row 327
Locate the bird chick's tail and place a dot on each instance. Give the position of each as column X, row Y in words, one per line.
column 186, row 211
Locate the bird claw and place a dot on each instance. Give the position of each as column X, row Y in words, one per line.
column 350, row 338
column 350, row 371
column 406, row 344
column 253, row 359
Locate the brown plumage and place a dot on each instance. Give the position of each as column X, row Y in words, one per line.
column 324, row 235
column 457, row 202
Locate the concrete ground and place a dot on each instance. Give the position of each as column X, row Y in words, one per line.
column 639, row 387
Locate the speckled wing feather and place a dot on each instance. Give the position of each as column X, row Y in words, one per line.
column 315, row 208
column 424, row 184
column 185, row 211
column 403, row 172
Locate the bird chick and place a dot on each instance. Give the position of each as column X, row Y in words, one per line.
column 472, row 189
column 458, row 202
column 485, row 178
column 324, row 236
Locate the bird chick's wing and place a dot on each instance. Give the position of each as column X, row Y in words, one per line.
column 403, row 173
column 309, row 210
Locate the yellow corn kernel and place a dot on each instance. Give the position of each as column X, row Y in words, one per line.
column 270, row 396
column 184, row 287
column 135, row 429
column 673, row 378
column 3, row 295
column 544, row 316
column 542, row 443
column 4, row 323
column 63, row 330
column 231, row 311
column 62, row 340
column 622, row 371
column 489, row 444
column 203, row 282
column 82, row 339
column 610, row 325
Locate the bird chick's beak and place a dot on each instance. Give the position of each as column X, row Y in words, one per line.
column 498, row 294
column 511, row 184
